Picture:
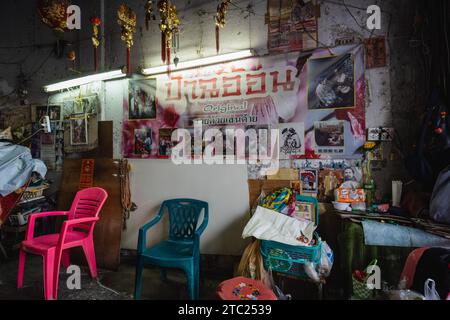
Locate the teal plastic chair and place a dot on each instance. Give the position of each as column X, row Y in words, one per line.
column 182, row 249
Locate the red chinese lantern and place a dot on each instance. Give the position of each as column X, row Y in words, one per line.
column 96, row 22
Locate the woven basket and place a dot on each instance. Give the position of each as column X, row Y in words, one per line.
column 360, row 289
column 32, row 194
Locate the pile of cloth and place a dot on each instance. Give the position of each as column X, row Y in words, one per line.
column 268, row 224
column 16, row 167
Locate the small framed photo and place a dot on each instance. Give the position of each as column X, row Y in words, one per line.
column 309, row 180
column 304, row 211
column 79, row 131
column 52, row 111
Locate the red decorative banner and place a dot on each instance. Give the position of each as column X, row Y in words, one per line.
column 86, row 174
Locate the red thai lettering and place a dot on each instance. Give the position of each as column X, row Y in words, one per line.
column 193, row 85
column 228, row 83
column 288, row 85
column 176, row 90
column 205, row 89
column 260, row 79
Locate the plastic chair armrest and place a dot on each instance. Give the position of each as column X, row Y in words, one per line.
column 200, row 229
column 142, row 241
column 32, row 220
column 68, row 223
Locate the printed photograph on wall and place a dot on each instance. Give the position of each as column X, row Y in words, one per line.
column 292, row 136
column 331, row 82
column 329, row 180
column 143, row 141
column 54, row 113
column 78, row 131
column 292, row 25
column 310, row 180
column 142, row 99
column 165, row 143
column 329, row 137
column 352, row 178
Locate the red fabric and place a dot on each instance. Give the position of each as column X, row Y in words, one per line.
column 409, row 269
column 242, row 288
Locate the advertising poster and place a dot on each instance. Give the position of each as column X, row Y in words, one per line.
column 258, row 91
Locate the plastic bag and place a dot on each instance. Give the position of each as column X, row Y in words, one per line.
column 251, row 265
column 310, row 270
column 326, row 261
column 320, row 271
column 430, row 290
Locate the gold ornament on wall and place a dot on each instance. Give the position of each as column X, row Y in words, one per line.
column 169, row 27
column 127, row 21
column 219, row 18
column 96, row 22
column 53, row 13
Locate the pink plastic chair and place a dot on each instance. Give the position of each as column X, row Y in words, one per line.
column 76, row 231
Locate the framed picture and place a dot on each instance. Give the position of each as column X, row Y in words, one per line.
column 143, row 141
column 331, row 82
column 142, row 99
column 292, row 136
column 329, row 180
column 310, row 180
column 304, row 211
column 79, row 131
column 53, row 111
column 165, row 143
column 329, row 137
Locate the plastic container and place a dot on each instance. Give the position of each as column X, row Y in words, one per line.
column 288, row 259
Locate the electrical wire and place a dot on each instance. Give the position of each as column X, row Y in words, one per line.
column 41, row 65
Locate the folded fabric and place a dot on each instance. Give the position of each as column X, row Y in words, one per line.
column 385, row 234
column 270, row 225
column 16, row 166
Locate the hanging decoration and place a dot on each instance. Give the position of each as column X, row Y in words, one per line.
column 127, row 20
column 220, row 20
column 53, row 13
column 169, row 27
column 148, row 13
column 95, row 21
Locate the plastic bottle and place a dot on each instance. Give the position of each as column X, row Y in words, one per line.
column 369, row 188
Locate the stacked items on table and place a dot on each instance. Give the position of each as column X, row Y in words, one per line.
column 289, row 243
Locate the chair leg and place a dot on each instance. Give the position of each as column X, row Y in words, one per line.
column 49, row 270
column 56, row 266
column 88, row 248
column 197, row 281
column 65, row 259
column 22, row 258
column 191, row 283
column 138, row 280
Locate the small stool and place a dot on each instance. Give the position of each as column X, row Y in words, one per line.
column 241, row 288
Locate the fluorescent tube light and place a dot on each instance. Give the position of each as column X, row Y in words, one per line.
column 85, row 80
column 200, row 62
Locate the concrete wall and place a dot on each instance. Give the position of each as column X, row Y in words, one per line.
column 391, row 92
